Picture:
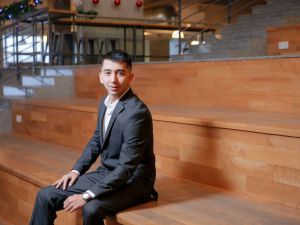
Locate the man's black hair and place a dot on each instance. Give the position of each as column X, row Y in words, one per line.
column 119, row 56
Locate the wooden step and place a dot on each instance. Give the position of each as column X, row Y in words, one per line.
column 285, row 124
column 252, row 153
column 28, row 164
column 186, row 202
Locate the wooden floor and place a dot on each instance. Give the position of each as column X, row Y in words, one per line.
column 180, row 202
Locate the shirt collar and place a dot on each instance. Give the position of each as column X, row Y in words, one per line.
column 108, row 104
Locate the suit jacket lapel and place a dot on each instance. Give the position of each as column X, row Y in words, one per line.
column 119, row 108
column 101, row 117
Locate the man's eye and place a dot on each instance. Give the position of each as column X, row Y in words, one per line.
column 120, row 73
column 107, row 73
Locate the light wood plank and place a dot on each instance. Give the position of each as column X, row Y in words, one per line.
column 269, row 85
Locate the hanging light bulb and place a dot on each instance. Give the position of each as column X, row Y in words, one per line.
column 195, row 43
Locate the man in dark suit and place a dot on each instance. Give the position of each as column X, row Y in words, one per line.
column 124, row 140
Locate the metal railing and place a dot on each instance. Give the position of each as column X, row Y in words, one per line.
column 212, row 26
column 218, row 22
column 17, row 34
column 30, row 29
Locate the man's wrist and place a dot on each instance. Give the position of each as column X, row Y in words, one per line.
column 91, row 193
column 86, row 196
column 75, row 171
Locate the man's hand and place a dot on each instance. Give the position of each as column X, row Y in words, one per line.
column 66, row 179
column 74, row 202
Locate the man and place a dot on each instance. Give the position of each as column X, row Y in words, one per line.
column 124, row 140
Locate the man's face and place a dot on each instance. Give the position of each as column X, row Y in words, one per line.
column 116, row 78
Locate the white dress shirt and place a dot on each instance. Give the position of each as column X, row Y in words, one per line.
column 110, row 107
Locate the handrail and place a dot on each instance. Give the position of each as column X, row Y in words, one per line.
column 189, row 4
column 14, row 29
column 25, row 17
column 224, row 18
column 201, row 8
column 180, row 20
column 214, row 13
column 213, row 25
column 11, row 34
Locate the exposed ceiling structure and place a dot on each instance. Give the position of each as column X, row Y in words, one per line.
column 148, row 4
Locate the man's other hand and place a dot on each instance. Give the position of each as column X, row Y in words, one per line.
column 67, row 179
column 74, row 202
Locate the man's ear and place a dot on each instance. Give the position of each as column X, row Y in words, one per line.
column 100, row 78
column 132, row 77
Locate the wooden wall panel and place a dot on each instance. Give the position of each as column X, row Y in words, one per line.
column 270, row 85
column 289, row 33
column 67, row 127
column 256, row 164
column 18, row 196
column 87, row 83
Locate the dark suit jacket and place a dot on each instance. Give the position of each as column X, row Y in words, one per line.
column 127, row 148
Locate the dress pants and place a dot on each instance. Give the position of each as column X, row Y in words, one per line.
column 50, row 199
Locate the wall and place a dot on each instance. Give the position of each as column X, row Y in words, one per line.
column 290, row 34
column 216, row 13
column 107, row 8
column 270, row 85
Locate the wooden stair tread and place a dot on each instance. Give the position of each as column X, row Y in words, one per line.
column 186, row 202
column 80, row 104
column 38, row 162
column 180, row 201
column 263, row 122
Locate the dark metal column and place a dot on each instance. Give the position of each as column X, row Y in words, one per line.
column 17, row 51
column 50, row 42
column 125, row 40
column 42, row 44
column 33, row 44
column 179, row 25
column 229, row 11
column 143, row 56
column 134, row 43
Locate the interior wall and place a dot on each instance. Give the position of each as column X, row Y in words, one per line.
column 107, row 8
column 158, row 49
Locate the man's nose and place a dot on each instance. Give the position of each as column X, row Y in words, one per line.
column 113, row 78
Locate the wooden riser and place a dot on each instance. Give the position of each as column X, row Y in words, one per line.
column 289, row 33
column 255, row 164
column 18, row 196
column 270, row 85
column 65, row 126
